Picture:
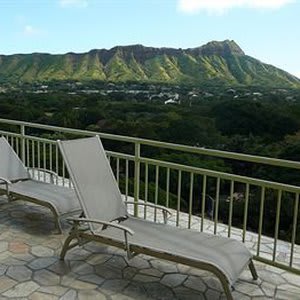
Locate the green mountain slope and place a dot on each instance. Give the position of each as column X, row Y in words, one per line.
column 216, row 62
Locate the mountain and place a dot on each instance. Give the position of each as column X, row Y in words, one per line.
column 214, row 63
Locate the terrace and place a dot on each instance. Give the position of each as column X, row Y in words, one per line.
column 29, row 246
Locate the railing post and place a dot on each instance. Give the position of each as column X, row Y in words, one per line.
column 23, row 143
column 137, row 154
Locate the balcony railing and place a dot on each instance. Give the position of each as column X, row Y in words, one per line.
column 205, row 197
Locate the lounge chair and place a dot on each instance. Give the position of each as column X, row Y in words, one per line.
column 16, row 183
column 107, row 221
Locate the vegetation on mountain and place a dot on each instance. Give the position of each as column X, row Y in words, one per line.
column 216, row 63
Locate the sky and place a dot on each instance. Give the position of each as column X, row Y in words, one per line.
column 268, row 30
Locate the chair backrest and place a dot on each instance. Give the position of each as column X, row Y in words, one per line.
column 11, row 167
column 93, row 179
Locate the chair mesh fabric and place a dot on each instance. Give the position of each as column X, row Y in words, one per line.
column 228, row 255
column 62, row 199
column 93, row 179
column 12, row 167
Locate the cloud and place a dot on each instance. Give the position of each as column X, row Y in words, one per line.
column 221, row 6
column 29, row 30
column 74, row 3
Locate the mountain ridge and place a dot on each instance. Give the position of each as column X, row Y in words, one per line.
column 215, row 62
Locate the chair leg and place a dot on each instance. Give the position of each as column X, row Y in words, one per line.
column 58, row 225
column 227, row 289
column 67, row 246
column 253, row 270
column 57, row 218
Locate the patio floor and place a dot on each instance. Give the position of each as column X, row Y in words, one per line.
column 30, row 268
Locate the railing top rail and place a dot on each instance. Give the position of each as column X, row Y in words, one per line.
column 171, row 146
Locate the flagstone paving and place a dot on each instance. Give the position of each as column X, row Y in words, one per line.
column 30, row 268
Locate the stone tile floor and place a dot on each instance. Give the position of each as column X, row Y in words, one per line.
column 30, row 268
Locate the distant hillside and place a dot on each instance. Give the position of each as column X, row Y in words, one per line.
column 214, row 63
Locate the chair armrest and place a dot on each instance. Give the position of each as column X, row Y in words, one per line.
column 125, row 229
column 7, row 183
column 165, row 210
column 105, row 223
column 51, row 173
column 150, row 205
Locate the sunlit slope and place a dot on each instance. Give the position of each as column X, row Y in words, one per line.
column 216, row 62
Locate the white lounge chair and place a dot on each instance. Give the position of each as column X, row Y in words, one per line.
column 16, row 183
column 109, row 222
